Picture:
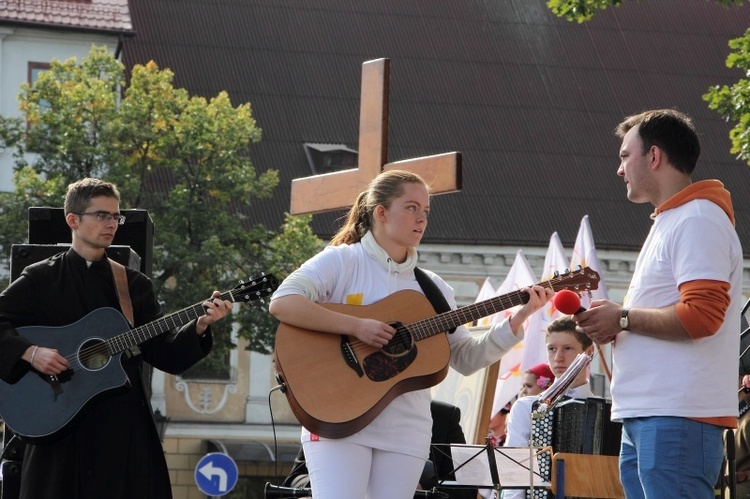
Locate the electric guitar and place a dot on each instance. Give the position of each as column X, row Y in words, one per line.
column 39, row 405
column 336, row 385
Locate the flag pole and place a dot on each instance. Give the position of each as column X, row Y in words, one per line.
column 604, row 362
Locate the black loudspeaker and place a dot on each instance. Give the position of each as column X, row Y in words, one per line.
column 23, row 255
column 47, row 226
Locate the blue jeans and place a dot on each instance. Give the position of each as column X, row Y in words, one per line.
column 670, row 457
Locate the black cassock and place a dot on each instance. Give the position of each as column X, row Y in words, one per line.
column 113, row 450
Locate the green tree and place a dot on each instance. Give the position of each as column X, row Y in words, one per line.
column 583, row 10
column 733, row 102
column 82, row 120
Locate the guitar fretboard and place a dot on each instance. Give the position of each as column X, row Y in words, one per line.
column 175, row 320
column 448, row 320
column 581, row 280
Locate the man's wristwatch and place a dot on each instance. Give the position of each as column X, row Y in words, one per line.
column 624, row 322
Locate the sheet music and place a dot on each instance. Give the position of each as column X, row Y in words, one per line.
column 473, row 467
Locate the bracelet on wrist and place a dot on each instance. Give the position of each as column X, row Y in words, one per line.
column 33, row 353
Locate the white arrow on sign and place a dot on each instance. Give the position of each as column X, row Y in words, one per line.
column 208, row 470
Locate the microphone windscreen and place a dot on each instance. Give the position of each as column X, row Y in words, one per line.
column 566, row 301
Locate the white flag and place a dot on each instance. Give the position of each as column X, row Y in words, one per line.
column 535, row 346
column 584, row 255
column 509, row 373
column 486, row 292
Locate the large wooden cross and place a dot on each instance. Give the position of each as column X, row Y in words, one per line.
column 339, row 190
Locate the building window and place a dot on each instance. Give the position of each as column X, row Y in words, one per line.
column 327, row 158
column 34, row 70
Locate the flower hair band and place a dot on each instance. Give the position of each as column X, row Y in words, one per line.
column 543, row 381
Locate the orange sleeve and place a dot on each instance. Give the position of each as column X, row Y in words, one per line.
column 702, row 306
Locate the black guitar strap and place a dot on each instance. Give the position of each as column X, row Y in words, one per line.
column 432, row 292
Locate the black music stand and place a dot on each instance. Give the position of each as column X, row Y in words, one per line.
column 10, row 463
column 745, row 352
column 488, row 467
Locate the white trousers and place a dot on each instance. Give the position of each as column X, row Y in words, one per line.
column 342, row 470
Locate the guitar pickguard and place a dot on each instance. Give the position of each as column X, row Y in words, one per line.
column 381, row 367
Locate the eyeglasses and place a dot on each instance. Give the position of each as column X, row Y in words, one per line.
column 104, row 216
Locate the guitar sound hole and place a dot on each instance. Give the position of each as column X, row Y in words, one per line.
column 94, row 354
column 401, row 343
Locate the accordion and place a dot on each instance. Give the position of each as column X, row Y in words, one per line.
column 581, row 427
column 575, row 426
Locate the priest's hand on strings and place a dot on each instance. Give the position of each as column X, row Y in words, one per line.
column 45, row 360
column 215, row 308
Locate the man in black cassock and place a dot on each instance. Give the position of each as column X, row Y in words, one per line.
column 112, row 450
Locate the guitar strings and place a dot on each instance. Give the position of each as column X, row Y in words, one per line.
column 129, row 338
column 421, row 329
column 469, row 313
column 123, row 341
column 425, row 328
column 253, row 288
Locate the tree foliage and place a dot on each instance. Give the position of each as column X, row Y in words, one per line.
column 579, row 10
column 583, row 10
column 184, row 159
column 733, row 102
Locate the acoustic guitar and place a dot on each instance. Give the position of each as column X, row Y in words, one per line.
column 38, row 405
column 336, row 385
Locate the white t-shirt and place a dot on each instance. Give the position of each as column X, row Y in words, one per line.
column 691, row 378
column 363, row 274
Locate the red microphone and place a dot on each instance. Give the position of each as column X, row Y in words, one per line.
column 567, row 302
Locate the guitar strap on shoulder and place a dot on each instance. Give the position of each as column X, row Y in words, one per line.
column 432, row 292
column 123, row 293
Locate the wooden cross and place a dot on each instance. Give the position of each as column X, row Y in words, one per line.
column 339, row 190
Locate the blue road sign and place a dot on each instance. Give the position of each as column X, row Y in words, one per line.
column 216, row 474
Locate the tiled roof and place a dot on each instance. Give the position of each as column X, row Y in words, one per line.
column 529, row 100
column 97, row 15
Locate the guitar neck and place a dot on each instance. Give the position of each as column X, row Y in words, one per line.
column 175, row 320
column 584, row 279
column 453, row 318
